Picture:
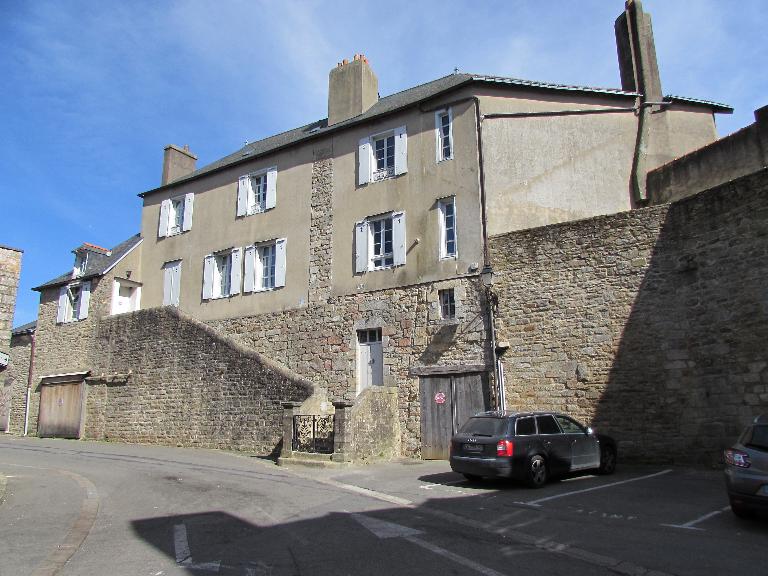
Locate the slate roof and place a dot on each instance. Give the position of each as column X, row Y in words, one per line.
column 97, row 264
column 398, row 101
column 27, row 328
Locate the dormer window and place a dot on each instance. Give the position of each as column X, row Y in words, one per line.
column 81, row 262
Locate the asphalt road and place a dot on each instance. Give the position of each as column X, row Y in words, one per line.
column 85, row 508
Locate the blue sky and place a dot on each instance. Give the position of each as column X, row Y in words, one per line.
column 93, row 90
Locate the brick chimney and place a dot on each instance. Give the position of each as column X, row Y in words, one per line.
column 637, row 52
column 352, row 89
column 177, row 162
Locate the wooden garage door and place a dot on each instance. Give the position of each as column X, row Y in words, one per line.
column 446, row 402
column 61, row 410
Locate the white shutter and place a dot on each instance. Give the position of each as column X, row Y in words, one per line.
column 361, row 246
column 243, row 185
column 85, row 300
column 235, row 273
column 401, row 150
column 364, row 162
column 398, row 238
column 189, row 200
column 61, row 313
column 280, row 262
column 167, row 284
column 249, row 280
column 208, row 265
column 165, row 207
column 176, row 283
column 271, row 198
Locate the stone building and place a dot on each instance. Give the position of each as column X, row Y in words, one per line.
column 10, row 269
column 344, row 259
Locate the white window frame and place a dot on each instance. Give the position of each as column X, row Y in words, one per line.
column 255, row 279
column 388, row 258
column 367, row 164
column 249, row 201
column 441, row 137
column 222, row 273
column 365, row 257
column 176, row 215
column 71, row 309
column 443, row 208
column 134, row 300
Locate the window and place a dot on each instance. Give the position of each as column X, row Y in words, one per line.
column 73, row 302
column 383, row 156
column 81, row 263
column 444, row 134
column 175, row 215
column 256, row 192
column 525, row 427
column 380, row 242
column 171, row 283
column 448, row 228
column 126, row 296
column 547, row 425
column 221, row 274
column 265, row 266
column 447, row 304
column 569, row 426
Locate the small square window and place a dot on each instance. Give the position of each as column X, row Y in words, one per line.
column 447, row 304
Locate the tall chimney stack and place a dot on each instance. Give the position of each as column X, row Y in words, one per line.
column 637, row 52
column 177, row 162
column 352, row 89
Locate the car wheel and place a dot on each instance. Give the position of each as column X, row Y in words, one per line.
column 537, row 471
column 607, row 460
column 473, row 477
column 740, row 510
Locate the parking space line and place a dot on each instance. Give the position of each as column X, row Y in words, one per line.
column 563, row 495
column 692, row 524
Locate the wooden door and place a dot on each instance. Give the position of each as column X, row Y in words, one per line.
column 446, row 403
column 61, row 410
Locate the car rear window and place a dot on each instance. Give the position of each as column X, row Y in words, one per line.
column 758, row 438
column 484, row 426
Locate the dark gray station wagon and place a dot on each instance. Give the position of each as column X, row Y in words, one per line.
column 529, row 446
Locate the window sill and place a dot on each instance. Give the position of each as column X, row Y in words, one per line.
column 445, row 159
column 454, row 257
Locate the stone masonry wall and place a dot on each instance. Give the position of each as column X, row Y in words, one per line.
column 15, row 382
column 376, row 425
column 320, row 341
column 650, row 325
column 10, row 269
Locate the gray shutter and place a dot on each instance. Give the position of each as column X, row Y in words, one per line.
column 85, row 300
column 189, row 200
column 243, row 184
column 176, row 283
column 364, row 162
column 280, row 262
column 61, row 313
column 271, row 198
column 401, row 150
column 208, row 265
column 165, row 207
column 398, row 238
column 235, row 272
column 249, row 280
column 361, row 246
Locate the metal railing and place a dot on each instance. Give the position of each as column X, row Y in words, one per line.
column 313, row 434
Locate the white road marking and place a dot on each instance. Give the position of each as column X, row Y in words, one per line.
column 563, row 495
column 384, row 529
column 692, row 524
column 184, row 556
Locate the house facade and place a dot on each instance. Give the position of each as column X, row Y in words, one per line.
column 350, row 250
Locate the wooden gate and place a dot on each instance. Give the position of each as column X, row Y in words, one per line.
column 61, row 410
column 447, row 400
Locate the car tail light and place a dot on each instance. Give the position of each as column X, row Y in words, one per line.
column 737, row 458
column 505, row 448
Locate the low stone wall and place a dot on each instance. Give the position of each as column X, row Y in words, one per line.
column 159, row 377
column 650, row 325
column 734, row 156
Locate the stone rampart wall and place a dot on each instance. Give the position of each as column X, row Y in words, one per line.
column 650, row 325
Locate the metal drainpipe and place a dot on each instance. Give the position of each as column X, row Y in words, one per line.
column 29, row 384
